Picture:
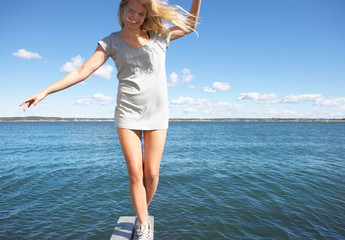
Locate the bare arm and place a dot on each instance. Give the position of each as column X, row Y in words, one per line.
column 98, row 58
column 176, row 32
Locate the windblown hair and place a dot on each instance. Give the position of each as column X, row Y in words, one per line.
column 157, row 11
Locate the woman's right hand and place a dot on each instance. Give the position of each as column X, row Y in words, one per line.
column 33, row 100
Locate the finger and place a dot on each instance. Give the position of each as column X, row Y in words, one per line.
column 34, row 103
column 22, row 103
column 26, row 100
column 27, row 105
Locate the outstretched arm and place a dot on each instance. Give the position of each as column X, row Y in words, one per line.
column 176, row 32
column 98, row 58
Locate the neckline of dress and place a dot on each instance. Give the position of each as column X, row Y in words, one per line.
column 146, row 44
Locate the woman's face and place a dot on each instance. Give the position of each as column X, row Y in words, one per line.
column 135, row 14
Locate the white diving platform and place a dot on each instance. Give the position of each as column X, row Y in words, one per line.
column 125, row 228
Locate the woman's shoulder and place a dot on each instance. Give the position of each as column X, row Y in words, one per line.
column 112, row 39
column 160, row 38
column 110, row 43
column 113, row 35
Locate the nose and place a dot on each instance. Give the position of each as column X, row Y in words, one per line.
column 132, row 18
column 136, row 17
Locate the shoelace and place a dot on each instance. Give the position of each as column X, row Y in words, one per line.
column 143, row 232
column 144, row 235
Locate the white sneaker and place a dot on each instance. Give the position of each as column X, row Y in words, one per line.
column 144, row 233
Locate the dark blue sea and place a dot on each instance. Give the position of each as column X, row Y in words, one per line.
column 218, row 180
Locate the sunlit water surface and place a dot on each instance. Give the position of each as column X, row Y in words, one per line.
column 218, row 180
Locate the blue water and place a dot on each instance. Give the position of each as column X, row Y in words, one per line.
column 219, row 180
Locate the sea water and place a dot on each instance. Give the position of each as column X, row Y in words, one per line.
column 218, row 180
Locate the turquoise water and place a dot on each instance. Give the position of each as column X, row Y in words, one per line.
column 219, row 180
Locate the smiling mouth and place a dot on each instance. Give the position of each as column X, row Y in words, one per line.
column 131, row 21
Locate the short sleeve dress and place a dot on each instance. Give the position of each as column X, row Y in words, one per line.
column 142, row 99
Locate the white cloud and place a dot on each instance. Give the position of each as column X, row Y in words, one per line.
column 22, row 53
column 101, row 98
column 175, row 79
column 189, row 107
column 316, row 99
column 221, row 86
column 186, row 75
column 83, row 83
column 77, row 61
column 330, row 101
column 98, row 98
column 84, row 101
column 217, row 86
column 190, row 102
column 301, row 98
column 223, row 104
column 103, row 72
column 189, row 110
column 257, row 97
column 183, row 100
column 209, row 90
column 246, row 97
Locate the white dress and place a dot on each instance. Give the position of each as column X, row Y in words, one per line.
column 142, row 98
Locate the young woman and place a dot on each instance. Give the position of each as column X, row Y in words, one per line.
column 142, row 104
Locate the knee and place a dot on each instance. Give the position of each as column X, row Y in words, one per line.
column 135, row 177
column 151, row 176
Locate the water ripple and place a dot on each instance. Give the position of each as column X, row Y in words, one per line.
column 218, row 181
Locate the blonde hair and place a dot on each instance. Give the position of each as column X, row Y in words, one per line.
column 157, row 11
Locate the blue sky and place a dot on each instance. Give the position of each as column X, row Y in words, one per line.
column 252, row 59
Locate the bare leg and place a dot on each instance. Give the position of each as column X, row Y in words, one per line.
column 154, row 145
column 131, row 145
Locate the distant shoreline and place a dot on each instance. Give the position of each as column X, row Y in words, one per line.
column 58, row 119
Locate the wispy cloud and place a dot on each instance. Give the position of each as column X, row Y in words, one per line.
column 272, row 98
column 331, row 101
column 189, row 104
column 270, row 107
column 83, row 83
column 77, row 61
column 97, row 98
column 84, row 101
column 257, row 97
column 22, row 53
column 209, row 90
column 316, row 99
column 202, row 107
column 301, row 98
column 189, row 101
column 184, row 77
column 190, row 110
column 217, row 86
column 173, row 79
column 103, row 72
